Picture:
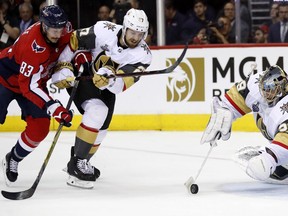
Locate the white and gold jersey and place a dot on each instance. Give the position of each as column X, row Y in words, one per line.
column 245, row 97
column 102, row 40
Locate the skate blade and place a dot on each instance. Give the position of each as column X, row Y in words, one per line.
column 65, row 169
column 7, row 182
column 75, row 182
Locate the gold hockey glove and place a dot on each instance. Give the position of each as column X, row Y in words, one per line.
column 100, row 79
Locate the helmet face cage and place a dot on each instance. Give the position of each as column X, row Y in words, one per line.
column 273, row 85
column 137, row 21
column 53, row 17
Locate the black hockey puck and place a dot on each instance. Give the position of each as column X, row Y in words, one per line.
column 194, row 188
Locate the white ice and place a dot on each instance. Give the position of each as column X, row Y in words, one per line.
column 143, row 174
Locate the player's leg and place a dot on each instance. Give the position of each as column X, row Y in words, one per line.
column 100, row 137
column 79, row 167
column 37, row 128
column 6, row 97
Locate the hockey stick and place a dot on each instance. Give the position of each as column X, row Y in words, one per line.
column 190, row 184
column 141, row 73
column 29, row 193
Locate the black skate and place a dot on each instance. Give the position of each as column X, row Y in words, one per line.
column 81, row 173
column 10, row 168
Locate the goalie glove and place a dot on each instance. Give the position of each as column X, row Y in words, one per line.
column 219, row 124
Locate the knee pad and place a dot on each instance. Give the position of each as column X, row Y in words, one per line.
column 261, row 167
column 95, row 113
column 37, row 128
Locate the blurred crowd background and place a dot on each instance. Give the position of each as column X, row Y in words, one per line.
column 196, row 21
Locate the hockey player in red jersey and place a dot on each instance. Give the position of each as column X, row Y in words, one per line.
column 114, row 49
column 25, row 68
column 266, row 96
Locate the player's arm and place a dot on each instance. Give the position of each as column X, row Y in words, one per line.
column 116, row 85
column 81, row 41
column 103, row 67
column 32, row 88
column 235, row 98
column 223, row 113
column 29, row 82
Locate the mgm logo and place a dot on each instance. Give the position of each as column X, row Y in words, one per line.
column 186, row 83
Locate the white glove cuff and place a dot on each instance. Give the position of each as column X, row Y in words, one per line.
column 62, row 75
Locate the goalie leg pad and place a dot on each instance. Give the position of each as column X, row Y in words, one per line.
column 261, row 167
column 242, row 157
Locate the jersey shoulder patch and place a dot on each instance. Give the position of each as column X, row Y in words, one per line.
column 104, row 26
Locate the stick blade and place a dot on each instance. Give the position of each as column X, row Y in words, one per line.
column 18, row 195
column 178, row 61
column 189, row 183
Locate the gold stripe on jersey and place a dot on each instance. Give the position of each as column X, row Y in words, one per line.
column 281, row 137
column 129, row 81
column 74, row 43
column 238, row 100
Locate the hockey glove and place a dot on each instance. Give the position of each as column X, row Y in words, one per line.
column 219, row 124
column 62, row 115
column 100, row 80
column 82, row 58
column 62, row 71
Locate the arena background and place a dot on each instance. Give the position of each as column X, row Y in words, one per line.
column 180, row 100
column 177, row 101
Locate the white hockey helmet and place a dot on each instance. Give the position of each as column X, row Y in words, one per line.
column 137, row 21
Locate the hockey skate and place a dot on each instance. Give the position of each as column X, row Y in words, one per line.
column 10, row 169
column 81, row 173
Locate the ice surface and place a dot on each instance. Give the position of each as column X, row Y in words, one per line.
column 143, row 174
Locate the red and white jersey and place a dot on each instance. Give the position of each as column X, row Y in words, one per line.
column 25, row 67
column 245, row 97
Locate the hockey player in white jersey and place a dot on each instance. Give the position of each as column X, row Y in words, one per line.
column 115, row 49
column 266, row 96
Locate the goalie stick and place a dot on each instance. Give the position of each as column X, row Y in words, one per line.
column 190, row 184
column 140, row 73
column 29, row 192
